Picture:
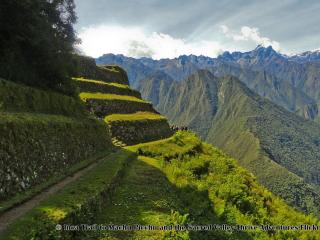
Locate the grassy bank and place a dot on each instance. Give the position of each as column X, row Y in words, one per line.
column 77, row 203
column 134, row 117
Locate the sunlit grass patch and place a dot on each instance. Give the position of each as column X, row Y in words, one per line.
column 103, row 96
column 134, row 117
column 54, row 213
column 178, row 144
column 102, row 82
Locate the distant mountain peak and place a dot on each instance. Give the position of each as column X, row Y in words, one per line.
column 307, row 56
column 226, row 56
column 262, row 51
column 259, row 47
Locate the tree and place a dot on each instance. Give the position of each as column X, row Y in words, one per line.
column 37, row 41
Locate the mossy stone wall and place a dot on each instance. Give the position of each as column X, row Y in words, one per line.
column 20, row 98
column 134, row 132
column 36, row 147
column 103, row 107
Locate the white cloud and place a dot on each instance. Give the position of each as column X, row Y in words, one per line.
column 250, row 34
column 136, row 42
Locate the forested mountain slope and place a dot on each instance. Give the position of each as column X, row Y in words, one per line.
column 279, row 147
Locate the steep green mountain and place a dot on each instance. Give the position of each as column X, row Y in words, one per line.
column 283, row 93
column 279, row 147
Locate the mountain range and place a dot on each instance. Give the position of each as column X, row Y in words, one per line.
column 257, row 106
column 292, row 82
column 280, row 148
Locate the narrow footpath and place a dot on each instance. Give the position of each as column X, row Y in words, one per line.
column 16, row 212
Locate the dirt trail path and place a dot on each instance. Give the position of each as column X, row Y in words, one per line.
column 11, row 215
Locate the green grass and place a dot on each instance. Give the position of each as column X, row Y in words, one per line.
column 144, row 197
column 75, row 201
column 20, row 98
column 102, row 96
column 179, row 144
column 134, row 117
column 235, row 195
column 200, row 187
column 102, row 82
column 206, row 187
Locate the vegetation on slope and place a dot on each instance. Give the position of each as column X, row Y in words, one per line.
column 77, row 203
column 179, row 180
column 88, row 85
column 37, row 147
column 105, row 104
column 138, row 128
column 19, row 98
column 285, row 142
column 131, row 119
column 86, row 68
column 271, row 142
column 103, row 96
column 20, row 198
column 134, row 117
column 280, row 148
column 196, row 185
column 101, row 82
column 42, row 130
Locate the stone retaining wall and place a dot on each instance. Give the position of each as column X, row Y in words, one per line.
column 134, row 132
column 102, row 108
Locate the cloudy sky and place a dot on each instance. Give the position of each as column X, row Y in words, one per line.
column 169, row 28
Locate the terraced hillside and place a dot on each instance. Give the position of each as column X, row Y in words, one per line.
column 40, row 131
column 47, row 136
column 175, row 181
column 87, row 68
column 131, row 119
